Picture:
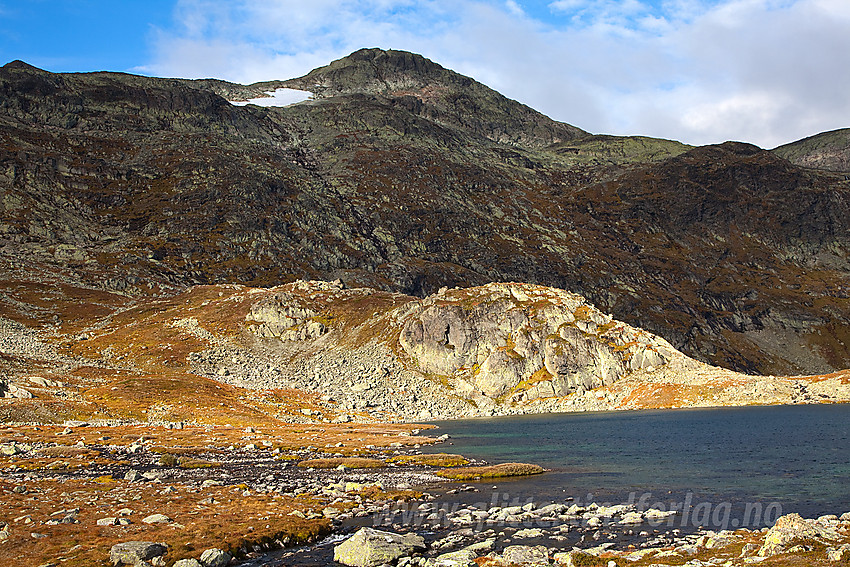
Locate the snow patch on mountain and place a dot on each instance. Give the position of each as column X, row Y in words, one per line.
column 277, row 97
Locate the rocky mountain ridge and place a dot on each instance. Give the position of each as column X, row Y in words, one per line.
column 395, row 178
column 827, row 151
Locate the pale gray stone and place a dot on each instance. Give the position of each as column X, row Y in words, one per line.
column 18, row 392
column 136, row 552
column 526, row 555
column 460, row 558
column 157, row 519
column 132, row 476
column 574, row 558
column 838, row 553
column 505, row 342
column 369, row 547
column 787, row 529
column 215, row 558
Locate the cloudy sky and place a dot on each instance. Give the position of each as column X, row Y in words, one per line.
column 699, row 71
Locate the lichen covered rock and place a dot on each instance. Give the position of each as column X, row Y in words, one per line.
column 369, row 547
column 283, row 316
column 509, row 341
column 792, row 529
column 136, row 552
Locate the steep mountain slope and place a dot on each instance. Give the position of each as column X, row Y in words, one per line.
column 828, row 150
column 403, row 176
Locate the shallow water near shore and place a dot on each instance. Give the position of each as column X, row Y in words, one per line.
column 774, row 459
column 723, row 468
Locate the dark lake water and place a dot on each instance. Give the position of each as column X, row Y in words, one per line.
column 776, row 459
column 719, row 468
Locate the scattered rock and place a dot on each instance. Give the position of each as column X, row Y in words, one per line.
column 838, row 554
column 526, row 555
column 331, row 512
column 42, row 382
column 133, row 476
column 369, row 547
column 14, row 391
column 575, row 558
column 788, row 529
column 157, row 519
column 632, row 518
column 528, row 533
column 459, row 558
column 136, row 552
column 215, row 558
column 9, row 449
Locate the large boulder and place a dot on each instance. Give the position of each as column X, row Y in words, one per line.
column 792, row 529
column 215, row 558
column 136, row 553
column 460, row 558
column 369, row 547
column 526, row 555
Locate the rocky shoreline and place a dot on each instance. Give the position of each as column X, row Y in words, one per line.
column 792, row 537
column 438, row 531
column 161, row 502
column 71, row 492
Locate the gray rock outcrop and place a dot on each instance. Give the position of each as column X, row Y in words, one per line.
column 792, row 528
column 215, row 558
column 283, row 316
column 526, row 555
column 136, row 553
column 369, row 547
column 519, row 341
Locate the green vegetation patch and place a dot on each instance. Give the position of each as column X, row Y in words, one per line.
column 619, row 150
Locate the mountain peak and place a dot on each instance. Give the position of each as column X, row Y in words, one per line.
column 374, row 70
column 427, row 89
column 18, row 65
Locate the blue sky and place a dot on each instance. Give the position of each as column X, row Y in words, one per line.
column 700, row 71
column 81, row 35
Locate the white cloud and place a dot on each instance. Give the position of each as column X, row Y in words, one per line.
column 514, row 8
column 764, row 71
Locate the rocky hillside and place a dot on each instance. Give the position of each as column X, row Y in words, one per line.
column 405, row 177
column 318, row 351
column 829, row 151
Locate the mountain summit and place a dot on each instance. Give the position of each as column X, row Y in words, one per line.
column 433, row 92
column 379, row 71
